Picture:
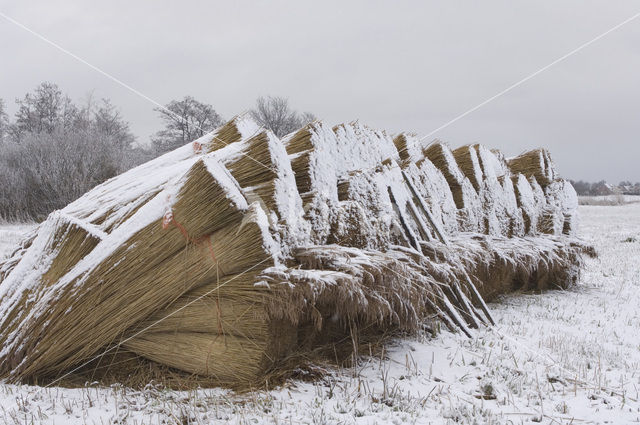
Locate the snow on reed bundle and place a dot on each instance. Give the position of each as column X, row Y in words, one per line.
column 501, row 213
column 409, row 148
column 536, row 163
column 514, row 214
column 434, row 189
column 526, row 203
column 373, row 290
column 67, row 241
column 558, row 214
column 464, row 195
column 231, row 132
column 499, row 265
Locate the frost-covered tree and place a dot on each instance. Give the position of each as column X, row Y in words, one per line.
column 274, row 113
column 184, row 120
column 43, row 111
column 53, row 156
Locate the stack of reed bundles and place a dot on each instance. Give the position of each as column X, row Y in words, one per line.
column 192, row 275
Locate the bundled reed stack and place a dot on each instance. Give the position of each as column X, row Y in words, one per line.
column 232, row 257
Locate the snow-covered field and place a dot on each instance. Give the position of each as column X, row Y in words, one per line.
column 562, row 357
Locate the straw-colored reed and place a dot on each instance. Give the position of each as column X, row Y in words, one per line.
column 469, row 164
column 536, row 163
column 156, row 267
column 206, row 354
column 437, row 154
column 400, row 142
column 225, row 135
column 245, row 169
column 300, row 141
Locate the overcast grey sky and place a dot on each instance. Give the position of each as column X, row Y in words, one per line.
column 399, row 66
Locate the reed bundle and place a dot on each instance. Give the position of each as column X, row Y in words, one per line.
column 203, row 204
column 526, row 203
column 551, row 221
column 467, row 159
column 211, row 308
column 536, row 163
column 300, row 149
column 300, row 141
column 225, row 135
column 205, row 354
column 302, row 170
column 400, row 141
column 247, row 169
column 11, row 261
column 441, row 156
column 68, row 243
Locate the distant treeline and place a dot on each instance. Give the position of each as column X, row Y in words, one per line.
column 602, row 188
column 53, row 150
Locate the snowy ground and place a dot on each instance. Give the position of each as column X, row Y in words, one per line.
column 569, row 357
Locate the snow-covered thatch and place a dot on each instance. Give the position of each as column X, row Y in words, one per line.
column 235, row 255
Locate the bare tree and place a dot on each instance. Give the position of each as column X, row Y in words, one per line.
column 275, row 114
column 185, row 120
column 43, row 111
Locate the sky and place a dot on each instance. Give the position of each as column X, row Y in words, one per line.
column 400, row 66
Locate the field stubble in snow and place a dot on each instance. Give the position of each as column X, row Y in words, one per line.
column 559, row 357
